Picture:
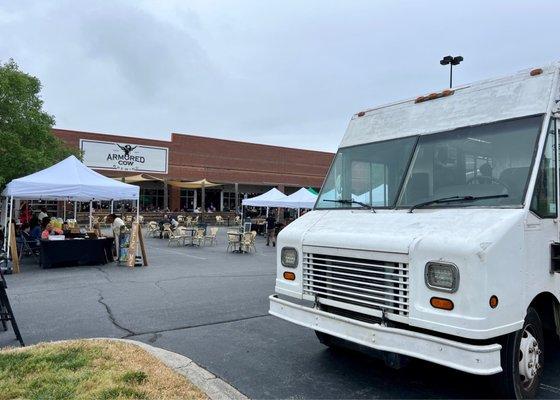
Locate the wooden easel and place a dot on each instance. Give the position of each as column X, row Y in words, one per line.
column 135, row 238
column 13, row 249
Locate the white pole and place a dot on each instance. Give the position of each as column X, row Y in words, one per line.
column 9, row 226
column 139, row 227
column 111, row 206
column 5, row 221
column 90, row 215
column 76, row 211
column 64, row 217
column 266, row 212
column 298, row 212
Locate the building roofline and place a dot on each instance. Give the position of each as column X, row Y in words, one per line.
column 272, row 146
column 170, row 140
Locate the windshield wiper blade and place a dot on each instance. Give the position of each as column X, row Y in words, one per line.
column 351, row 201
column 453, row 199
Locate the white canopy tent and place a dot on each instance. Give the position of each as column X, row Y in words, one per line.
column 70, row 180
column 67, row 180
column 264, row 200
column 303, row 198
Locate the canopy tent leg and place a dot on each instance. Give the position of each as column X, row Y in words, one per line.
column 90, row 214
column 138, row 224
column 64, row 211
column 76, row 211
column 112, row 205
column 5, row 223
column 298, row 212
column 267, row 211
column 9, row 221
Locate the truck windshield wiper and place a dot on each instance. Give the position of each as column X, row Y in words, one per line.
column 351, row 201
column 453, row 199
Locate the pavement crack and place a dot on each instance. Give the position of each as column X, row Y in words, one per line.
column 158, row 332
column 105, row 274
column 112, row 318
column 157, row 284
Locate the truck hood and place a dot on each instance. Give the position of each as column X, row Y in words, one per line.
column 396, row 231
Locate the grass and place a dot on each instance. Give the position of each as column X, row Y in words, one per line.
column 89, row 369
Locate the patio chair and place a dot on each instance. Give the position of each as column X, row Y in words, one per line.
column 153, row 229
column 166, row 230
column 248, row 241
column 237, row 220
column 28, row 246
column 198, row 238
column 176, row 237
column 189, row 220
column 233, row 241
column 211, row 236
column 72, row 222
column 180, row 218
column 219, row 220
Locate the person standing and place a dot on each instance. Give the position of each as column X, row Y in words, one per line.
column 116, row 224
column 271, row 229
column 42, row 213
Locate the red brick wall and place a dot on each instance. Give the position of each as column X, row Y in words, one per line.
column 226, row 161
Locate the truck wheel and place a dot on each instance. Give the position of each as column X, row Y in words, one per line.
column 324, row 338
column 522, row 359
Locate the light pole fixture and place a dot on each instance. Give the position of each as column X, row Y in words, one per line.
column 451, row 61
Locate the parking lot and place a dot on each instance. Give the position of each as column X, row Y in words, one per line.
column 212, row 307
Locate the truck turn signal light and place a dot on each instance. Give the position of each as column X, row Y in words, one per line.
column 443, row 304
column 289, row 276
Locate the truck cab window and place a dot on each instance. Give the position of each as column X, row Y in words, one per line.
column 370, row 174
column 544, row 202
column 483, row 160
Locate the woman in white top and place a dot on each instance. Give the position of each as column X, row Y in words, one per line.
column 116, row 224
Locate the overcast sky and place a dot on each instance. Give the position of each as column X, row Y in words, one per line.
column 284, row 72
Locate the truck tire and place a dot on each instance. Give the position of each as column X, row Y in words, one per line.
column 522, row 360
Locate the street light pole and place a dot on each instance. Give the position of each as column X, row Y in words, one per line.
column 451, row 61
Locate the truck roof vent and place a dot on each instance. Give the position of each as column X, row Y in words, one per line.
column 433, row 96
column 536, row 71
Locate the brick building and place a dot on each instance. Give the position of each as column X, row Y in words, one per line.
column 240, row 168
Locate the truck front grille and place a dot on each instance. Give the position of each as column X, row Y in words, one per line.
column 374, row 284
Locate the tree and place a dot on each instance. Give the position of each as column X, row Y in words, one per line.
column 27, row 143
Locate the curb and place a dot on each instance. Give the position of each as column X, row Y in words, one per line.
column 214, row 387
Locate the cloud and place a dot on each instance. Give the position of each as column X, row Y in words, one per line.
column 281, row 72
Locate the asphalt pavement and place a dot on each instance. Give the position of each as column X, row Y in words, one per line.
column 211, row 306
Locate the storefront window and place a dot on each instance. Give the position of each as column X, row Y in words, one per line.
column 151, row 199
column 188, row 199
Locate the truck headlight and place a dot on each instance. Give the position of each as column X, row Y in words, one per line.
column 289, row 257
column 442, row 276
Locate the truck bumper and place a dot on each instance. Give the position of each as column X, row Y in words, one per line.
column 474, row 359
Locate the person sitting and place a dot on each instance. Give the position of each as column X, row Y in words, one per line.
column 50, row 229
column 35, row 228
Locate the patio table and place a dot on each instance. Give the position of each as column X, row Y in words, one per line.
column 239, row 247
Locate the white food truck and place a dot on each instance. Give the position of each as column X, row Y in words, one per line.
column 435, row 234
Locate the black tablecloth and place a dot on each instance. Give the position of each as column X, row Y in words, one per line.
column 70, row 252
